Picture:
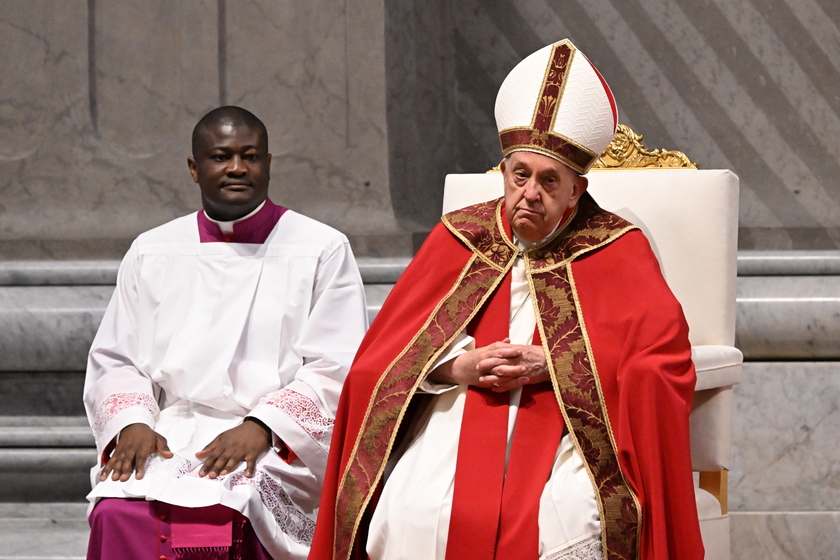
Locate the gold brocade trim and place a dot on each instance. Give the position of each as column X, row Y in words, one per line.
column 610, row 433
column 562, row 137
column 352, row 500
column 581, row 402
column 582, row 252
column 559, row 61
column 626, row 151
column 481, row 229
column 589, row 228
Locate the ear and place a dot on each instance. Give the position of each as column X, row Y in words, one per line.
column 193, row 168
column 503, row 165
column 579, row 187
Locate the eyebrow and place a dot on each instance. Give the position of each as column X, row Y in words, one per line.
column 228, row 149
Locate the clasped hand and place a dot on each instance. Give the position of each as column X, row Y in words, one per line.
column 500, row 366
column 221, row 456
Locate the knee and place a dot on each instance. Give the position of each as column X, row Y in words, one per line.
column 120, row 512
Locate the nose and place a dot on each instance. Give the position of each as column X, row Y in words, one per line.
column 236, row 166
column 531, row 192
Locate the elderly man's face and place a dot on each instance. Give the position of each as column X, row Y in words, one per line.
column 231, row 167
column 538, row 191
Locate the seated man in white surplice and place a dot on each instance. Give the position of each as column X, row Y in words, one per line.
column 213, row 381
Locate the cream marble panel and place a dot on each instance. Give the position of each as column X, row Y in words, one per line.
column 33, row 59
column 315, row 73
column 782, row 317
column 100, row 106
column 785, row 536
column 154, row 63
column 785, row 423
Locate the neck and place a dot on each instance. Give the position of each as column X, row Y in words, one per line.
column 227, row 225
column 561, row 225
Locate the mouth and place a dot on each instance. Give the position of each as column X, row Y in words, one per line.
column 527, row 212
column 236, row 185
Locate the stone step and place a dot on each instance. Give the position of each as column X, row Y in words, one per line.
column 50, row 328
column 51, row 393
column 45, row 474
column 45, row 458
column 43, row 531
column 104, row 273
column 41, row 431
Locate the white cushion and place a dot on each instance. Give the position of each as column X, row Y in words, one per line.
column 717, row 366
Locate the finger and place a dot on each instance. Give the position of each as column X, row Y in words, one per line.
column 207, row 451
column 491, row 362
column 506, row 371
column 117, row 465
column 139, row 466
column 106, row 470
column 250, row 466
column 163, row 447
column 509, row 385
column 214, row 467
column 231, row 465
column 122, row 470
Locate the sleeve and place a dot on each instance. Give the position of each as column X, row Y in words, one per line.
column 116, row 392
column 462, row 344
column 302, row 413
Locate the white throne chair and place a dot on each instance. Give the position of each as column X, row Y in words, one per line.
column 691, row 219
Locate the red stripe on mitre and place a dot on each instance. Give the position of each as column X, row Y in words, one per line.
column 552, row 87
column 607, row 90
column 550, row 143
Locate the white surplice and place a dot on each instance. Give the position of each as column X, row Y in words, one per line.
column 411, row 519
column 199, row 335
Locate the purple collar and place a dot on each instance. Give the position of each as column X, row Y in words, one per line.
column 255, row 229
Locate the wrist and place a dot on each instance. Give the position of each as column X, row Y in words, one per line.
column 261, row 424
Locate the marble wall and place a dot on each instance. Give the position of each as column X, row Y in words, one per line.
column 369, row 104
column 785, row 476
column 98, row 100
column 747, row 85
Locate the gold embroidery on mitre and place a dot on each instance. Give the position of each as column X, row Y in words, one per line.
column 553, row 85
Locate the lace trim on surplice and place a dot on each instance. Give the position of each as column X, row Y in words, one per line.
column 292, row 521
column 304, row 412
column 117, row 403
column 586, row 548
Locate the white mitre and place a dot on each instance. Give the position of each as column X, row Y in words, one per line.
column 556, row 103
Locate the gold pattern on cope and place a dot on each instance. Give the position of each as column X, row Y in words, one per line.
column 481, row 229
column 397, row 385
column 626, row 151
column 582, row 404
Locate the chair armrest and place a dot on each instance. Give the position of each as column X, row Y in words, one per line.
column 717, row 366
